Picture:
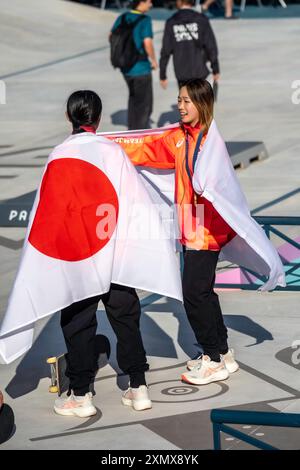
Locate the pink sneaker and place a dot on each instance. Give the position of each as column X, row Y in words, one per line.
column 75, row 406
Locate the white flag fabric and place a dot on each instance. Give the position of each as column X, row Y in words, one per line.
column 215, row 179
column 66, row 258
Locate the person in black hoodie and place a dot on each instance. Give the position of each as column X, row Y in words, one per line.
column 189, row 37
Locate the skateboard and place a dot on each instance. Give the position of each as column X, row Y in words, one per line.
column 58, row 365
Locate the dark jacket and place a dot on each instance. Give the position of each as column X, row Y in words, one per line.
column 189, row 37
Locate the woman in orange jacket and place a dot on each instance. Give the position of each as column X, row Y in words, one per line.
column 202, row 232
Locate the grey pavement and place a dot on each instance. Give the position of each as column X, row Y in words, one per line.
column 49, row 49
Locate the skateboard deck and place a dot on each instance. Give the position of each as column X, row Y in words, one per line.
column 58, row 365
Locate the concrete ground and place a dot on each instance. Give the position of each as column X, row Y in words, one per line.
column 50, row 48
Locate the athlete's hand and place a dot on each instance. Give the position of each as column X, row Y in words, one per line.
column 164, row 84
column 154, row 64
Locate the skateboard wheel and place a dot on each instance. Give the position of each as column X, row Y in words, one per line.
column 51, row 360
column 53, row 389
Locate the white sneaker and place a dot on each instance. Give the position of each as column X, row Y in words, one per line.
column 138, row 398
column 194, row 362
column 75, row 406
column 208, row 371
column 229, row 361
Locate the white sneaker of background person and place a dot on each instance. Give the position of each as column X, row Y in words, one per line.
column 137, row 398
column 208, row 371
column 75, row 406
column 229, row 360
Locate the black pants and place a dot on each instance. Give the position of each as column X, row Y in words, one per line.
column 140, row 101
column 79, row 325
column 202, row 303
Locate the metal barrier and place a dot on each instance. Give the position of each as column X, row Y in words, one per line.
column 15, row 213
column 219, row 417
column 268, row 223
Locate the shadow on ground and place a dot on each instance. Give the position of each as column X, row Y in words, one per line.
column 157, row 342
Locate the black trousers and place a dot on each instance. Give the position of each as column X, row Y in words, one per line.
column 140, row 102
column 202, row 303
column 79, row 326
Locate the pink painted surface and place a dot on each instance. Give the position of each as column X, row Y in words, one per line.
column 288, row 251
column 236, row 275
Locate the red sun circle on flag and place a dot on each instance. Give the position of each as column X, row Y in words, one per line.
column 76, row 198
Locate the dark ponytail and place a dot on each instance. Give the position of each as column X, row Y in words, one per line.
column 84, row 108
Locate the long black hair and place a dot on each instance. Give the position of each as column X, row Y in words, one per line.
column 84, row 108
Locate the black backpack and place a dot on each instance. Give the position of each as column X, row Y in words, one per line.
column 123, row 52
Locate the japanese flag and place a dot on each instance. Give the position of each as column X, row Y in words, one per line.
column 92, row 224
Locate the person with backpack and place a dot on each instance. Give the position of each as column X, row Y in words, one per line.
column 188, row 36
column 132, row 51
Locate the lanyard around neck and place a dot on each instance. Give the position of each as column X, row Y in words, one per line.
column 195, row 154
